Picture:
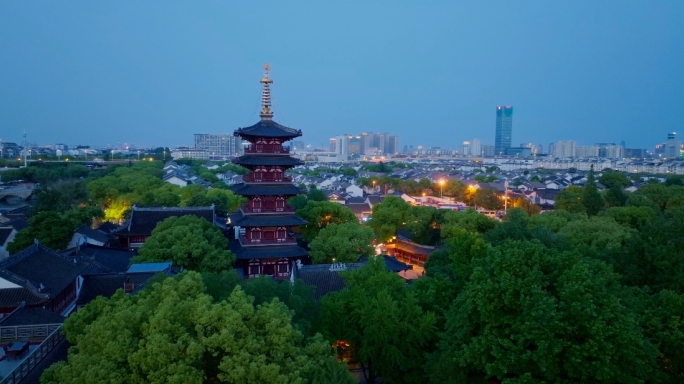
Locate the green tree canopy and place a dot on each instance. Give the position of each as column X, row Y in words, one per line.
column 657, row 193
column 173, row 332
column 528, row 314
column 224, row 201
column 424, row 223
column 380, row 319
column 570, row 199
column 469, row 220
column 54, row 229
column 189, row 242
column 320, row 214
column 388, row 217
column 344, row 243
column 488, row 198
column 614, row 179
column 591, row 198
column 60, row 196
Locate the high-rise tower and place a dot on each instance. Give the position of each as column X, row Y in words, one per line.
column 504, row 129
column 264, row 243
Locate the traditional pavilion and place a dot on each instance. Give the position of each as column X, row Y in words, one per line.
column 263, row 240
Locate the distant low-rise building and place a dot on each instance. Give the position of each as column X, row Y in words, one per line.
column 189, row 153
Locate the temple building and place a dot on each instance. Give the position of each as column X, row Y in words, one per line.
column 263, row 240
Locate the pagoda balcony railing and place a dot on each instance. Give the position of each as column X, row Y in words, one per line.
column 266, row 209
column 266, row 178
column 245, row 241
column 267, row 149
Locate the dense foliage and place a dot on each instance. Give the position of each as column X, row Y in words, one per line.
column 590, row 292
column 320, row 214
column 189, row 242
column 342, row 243
column 175, row 332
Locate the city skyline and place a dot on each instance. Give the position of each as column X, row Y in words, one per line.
column 616, row 71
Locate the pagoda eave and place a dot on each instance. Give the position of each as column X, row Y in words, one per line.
column 265, row 160
column 283, row 220
column 270, row 252
column 259, row 189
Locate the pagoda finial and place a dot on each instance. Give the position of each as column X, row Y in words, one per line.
column 266, row 113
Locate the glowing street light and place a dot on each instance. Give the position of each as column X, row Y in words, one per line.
column 441, row 187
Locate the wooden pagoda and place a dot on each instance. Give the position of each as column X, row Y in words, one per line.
column 263, row 239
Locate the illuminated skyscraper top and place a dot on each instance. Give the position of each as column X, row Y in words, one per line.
column 504, row 129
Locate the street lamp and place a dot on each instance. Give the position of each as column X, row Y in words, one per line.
column 472, row 189
column 441, row 187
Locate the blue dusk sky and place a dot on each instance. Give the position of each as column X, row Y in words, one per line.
column 433, row 72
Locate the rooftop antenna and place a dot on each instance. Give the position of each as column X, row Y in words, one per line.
column 266, row 113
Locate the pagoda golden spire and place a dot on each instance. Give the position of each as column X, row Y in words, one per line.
column 266, row 113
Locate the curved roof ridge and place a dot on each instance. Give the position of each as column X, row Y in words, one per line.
column 268, row 128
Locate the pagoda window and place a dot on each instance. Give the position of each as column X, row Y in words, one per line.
column 254, row 268
column 268, row 268
column 255, row 235
column 283, row 267
column 256, row 204
column 260, row 145
column 277, row 173
column 280, row 204
column 281, row 234
column 258, row 173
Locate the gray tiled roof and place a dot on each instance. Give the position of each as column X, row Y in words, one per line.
column 94, row 234
column 268, row 128
column 266, row 252
column 31, row 316
column 326, row 281
column 5, row 234
column 100, row 285
column 267, row 160
column 287, row 220
column 265, row 190
column 17, row 224
column 112, row 259
column 144, row 220
column 41, row 265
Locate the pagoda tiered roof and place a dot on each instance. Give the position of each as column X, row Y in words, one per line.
column 266, row 190
column 269, row 128
column 276, row 251
column 267, row 160
column 256, row 220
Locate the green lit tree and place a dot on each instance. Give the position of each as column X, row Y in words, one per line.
column 320, row 214
column 344, row 243
column 189, row 242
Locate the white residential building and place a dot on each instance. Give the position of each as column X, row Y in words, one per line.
column 564, row 149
